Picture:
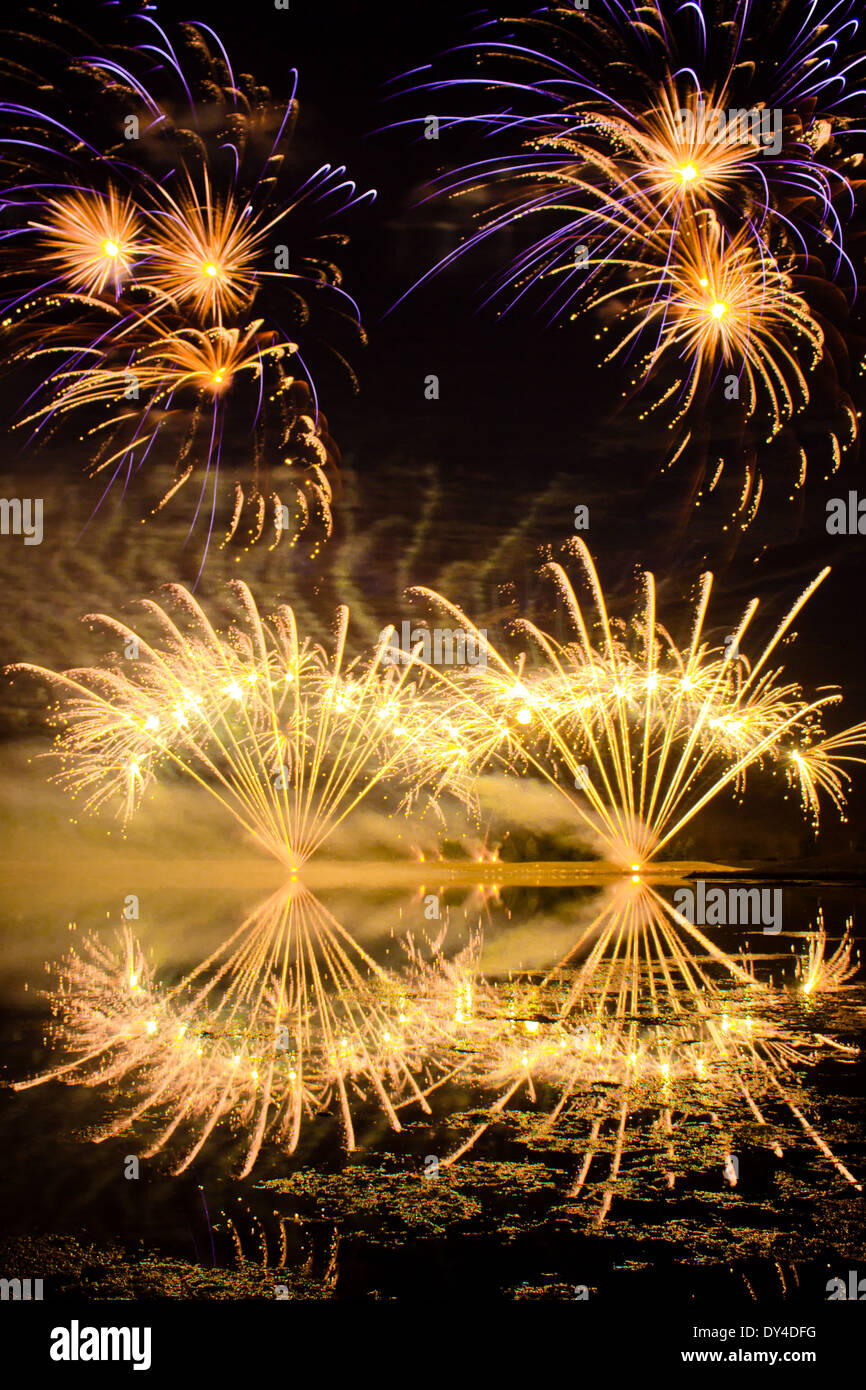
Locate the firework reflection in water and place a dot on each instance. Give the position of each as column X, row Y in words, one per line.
column 289, row 1019
column 645, row 1013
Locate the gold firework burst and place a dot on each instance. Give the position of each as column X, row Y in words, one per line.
column 638, row 734
column 205, row 250
column 287, row 737
column 97, row 240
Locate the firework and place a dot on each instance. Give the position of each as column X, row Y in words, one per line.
column 205, row 255
column 631, row 142
column 161, row 244
column 637, row 734
column 635, row 108
column 287, row 737
column 95, row 241
column 718, row 306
